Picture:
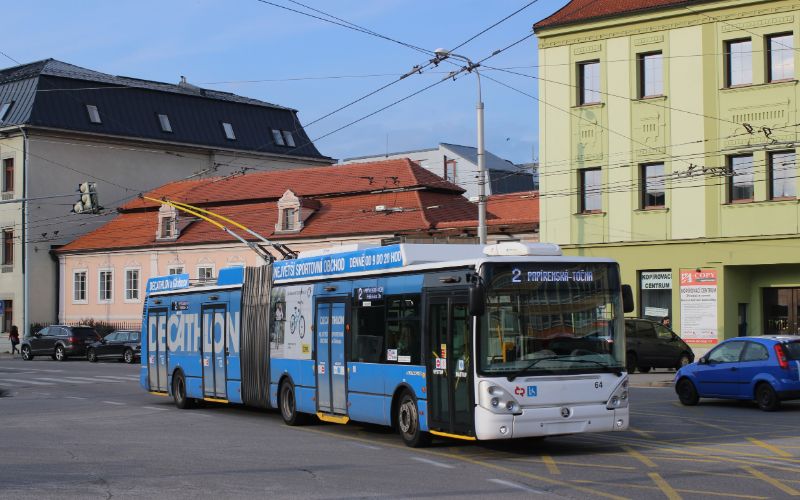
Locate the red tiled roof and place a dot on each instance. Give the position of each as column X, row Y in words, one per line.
column 583, row 10
column 304, row 182
column 430, row 204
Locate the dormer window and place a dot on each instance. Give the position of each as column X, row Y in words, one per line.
column 228, row 129
column 167, row 223
column 163, row 120
column 4, row 108
column 278, row 137
column 288, row 139
column 94, row 114
column 293, row 212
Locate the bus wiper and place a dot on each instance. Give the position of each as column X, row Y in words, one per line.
column 516, row 374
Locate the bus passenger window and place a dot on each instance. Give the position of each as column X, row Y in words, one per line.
column 403, row 330
column 367, row 334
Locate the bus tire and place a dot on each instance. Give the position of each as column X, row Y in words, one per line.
column 287, row 402
column 408, row 423
column 179, row 392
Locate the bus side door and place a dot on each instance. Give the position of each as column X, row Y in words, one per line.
column 330, row 349
column 215, row 349
column 157, row 349
column 450, row 371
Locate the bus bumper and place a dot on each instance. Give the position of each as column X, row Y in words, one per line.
column 550, row 421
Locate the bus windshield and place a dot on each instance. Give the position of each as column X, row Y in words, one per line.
column 551, row 318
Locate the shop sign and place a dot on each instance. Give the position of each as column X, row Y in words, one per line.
column 699, row 305
column 656, row 280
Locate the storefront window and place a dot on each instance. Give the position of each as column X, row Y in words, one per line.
column 655, row 294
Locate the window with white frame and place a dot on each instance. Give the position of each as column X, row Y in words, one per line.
column 132, row 284
column 79, row 286
column 205, row 273
column 175, row 269
column 105, row 285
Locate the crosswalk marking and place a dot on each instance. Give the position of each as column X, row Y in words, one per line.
column 24, row 382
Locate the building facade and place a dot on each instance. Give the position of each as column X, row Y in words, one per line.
column 459, row 165
column 103, row 273
column 668, row 140
column 61, row 125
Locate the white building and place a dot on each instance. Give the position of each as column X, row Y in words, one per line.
column 459, row 165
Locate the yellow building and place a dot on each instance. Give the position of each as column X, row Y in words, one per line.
column 668, row 134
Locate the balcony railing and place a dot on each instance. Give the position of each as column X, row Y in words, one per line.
column 7, row 268
column 7, row 196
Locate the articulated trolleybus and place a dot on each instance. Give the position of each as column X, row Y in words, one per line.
column 463, row 341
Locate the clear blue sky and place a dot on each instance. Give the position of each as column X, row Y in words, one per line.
column 239, row 45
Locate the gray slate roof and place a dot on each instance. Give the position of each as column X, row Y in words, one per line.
column 54, row 94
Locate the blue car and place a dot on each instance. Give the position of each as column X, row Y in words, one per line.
column 765, row 369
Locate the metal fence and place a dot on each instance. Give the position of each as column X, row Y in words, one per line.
column 102, row 327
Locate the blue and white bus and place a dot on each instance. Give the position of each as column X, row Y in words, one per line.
column 463, row 341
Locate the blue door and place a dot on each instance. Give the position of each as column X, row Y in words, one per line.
column 157, row 349
column 214, row 351
column 331, row 366
column 719, row 375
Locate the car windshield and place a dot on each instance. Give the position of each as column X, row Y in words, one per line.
column 793, row 350
column 545, row 318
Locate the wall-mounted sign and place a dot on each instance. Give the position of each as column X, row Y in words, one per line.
column 699, row 305
column 656, row 280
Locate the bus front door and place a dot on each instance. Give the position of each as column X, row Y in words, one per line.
column 215, row 352
column 450, row 407
column 330, row 349
column 157, row 349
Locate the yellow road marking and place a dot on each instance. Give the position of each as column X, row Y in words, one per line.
column 638, row 456
column 551, row 464
column 579, row 464
column 664, row 486
column 774, row 482
column 644, row 434
column 693, row 492
column 453, row 456
column 773, row 449
column 723, row 474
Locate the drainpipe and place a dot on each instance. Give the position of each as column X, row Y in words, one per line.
column 25, row 287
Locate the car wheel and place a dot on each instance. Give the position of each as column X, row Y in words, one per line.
column 644, row 369
column 127, row 356
column 408, row 423
column 766, row 397
column 60, row 354
column 91, row 355
column 630, row 362
column 683, row 361
column 179, row 392
column 288, row 405
column 687, row 393
column 26, row 353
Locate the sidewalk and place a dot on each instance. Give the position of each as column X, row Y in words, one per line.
column 656, row 378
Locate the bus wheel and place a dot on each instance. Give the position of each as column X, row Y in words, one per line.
column 179, row 392
column 288, row 405
column 408, row 423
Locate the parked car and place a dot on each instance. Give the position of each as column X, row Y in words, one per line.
column 652, row 345
column 765, row 369
column 121, row 344
column 59, row 342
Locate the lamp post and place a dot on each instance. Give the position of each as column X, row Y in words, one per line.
column 441, row 55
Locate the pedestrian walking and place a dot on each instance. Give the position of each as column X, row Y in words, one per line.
column 13, row 336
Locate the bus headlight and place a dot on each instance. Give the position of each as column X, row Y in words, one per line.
column 619, row 398
column 497, row 400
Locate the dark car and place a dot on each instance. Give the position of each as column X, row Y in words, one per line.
column 121, row 344
column 765, row 369
column 652, row 345
column 59, row 342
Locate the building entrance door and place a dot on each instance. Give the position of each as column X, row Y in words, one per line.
column 782, row 311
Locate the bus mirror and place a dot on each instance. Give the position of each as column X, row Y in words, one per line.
column 627, row 299
column 476, row 299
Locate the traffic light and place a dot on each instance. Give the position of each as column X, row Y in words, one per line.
column 87, row 204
